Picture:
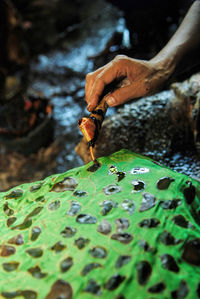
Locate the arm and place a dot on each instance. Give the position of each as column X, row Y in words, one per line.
column 146, row 77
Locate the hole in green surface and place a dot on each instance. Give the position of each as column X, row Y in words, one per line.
column 112, row 189
column 86, row 219
column 17, row 193
column 122, row 224
column 144, row 271
column 36, row 187
column 81, row 242
column 16, row 240
column 89, row 267
column 54, row 205
column 6, row 250
column 66, row 264
column 104, row 227
column 148, row 202
column 60, row 290
column 36, row 272
column 11, row 220
column 68, row 184
column 35, row 252
column 35, row 232
column 11, row 266
column 68, row 232
column 58, row 247
column 114, row 282
column 8, row 211
column 124, row 238
column 98, row 252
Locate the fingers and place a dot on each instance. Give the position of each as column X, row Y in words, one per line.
column 89, row 82
column 96, row 81
column 134, row 90
column 106, row 76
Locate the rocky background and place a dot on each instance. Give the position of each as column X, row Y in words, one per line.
column 163, row 126
column 48, row 48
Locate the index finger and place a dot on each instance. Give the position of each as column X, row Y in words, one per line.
column 106, row 76
column 89, row 81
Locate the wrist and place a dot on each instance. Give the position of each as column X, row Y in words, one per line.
column 164, row 64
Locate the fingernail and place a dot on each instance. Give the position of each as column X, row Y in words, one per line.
column 89, row 107
column 111, row 101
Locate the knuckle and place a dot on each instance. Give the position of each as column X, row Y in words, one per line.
column 88, row 76
column 120, row 57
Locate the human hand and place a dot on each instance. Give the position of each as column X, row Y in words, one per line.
column 144, row 77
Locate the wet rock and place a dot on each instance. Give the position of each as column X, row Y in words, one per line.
column 154, row 126
column 135, row 127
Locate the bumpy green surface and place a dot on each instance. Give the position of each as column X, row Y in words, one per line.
column 128, row 230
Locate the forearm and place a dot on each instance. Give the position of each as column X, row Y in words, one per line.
column 185, row 41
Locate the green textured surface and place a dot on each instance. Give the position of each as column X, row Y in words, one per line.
column 38, row 207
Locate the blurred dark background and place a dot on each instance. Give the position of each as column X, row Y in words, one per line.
column 47, row 48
